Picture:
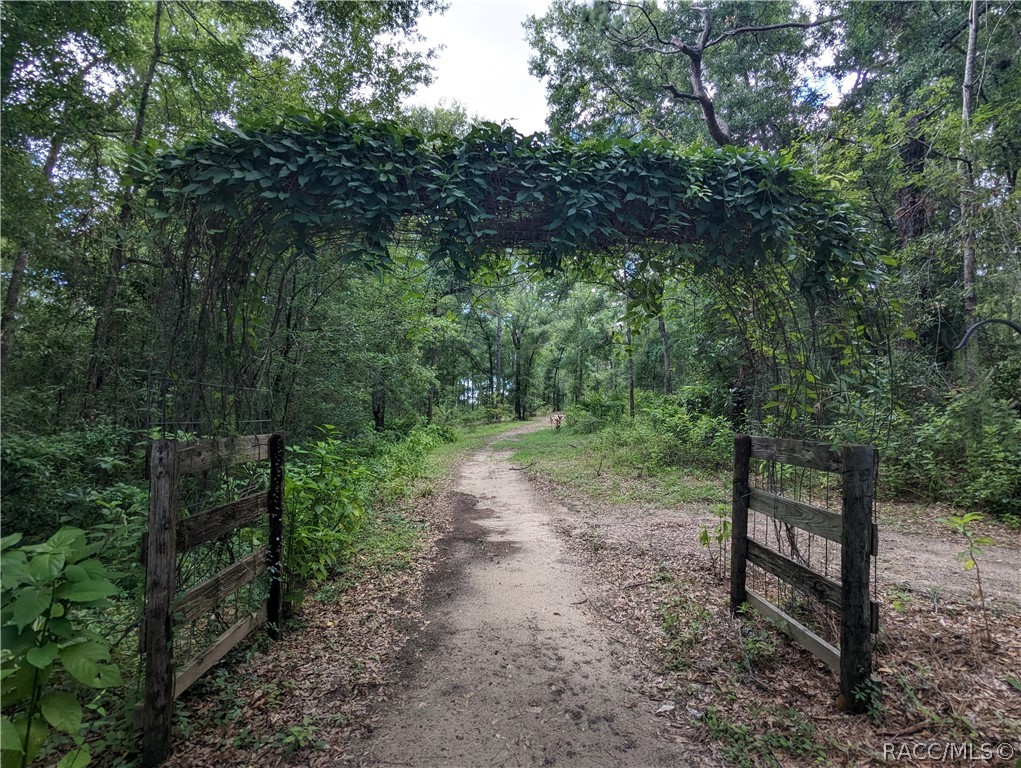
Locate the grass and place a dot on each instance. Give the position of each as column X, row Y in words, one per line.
column 389, row 539
column 594, row 465
column 441, row 460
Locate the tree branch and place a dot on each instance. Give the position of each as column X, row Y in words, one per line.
column 707, row 29
column 674, row 91
column 768, row 28
column 652, row 25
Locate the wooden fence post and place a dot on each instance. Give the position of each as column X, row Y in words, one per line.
column 855, row 567
column 739, row 523
column 275, row 607
column 160, row 585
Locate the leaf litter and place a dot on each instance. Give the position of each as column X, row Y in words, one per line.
column 736, row 691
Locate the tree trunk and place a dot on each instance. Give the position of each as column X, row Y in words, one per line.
column 13, row 295
column 379, row 410
column 558, row 401
column 668, row 382
column 968, row 183
column 630, row 372
column 11, row 306
column 100, row 337
column 969, row 270
column 912, row 213
column 519, row 404
column 579, row 392
column 434, row 359
column 498, row 389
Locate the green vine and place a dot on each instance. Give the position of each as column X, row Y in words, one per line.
column 371, row 186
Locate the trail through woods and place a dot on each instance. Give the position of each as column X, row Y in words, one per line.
column 509, row 670
column 528, row 630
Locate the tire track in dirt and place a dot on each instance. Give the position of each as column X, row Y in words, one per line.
column 508, row 670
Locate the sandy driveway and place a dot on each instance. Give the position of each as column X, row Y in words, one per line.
column 508, row 669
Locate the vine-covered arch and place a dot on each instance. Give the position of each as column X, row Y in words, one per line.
column 365, row 185
column 241, row 218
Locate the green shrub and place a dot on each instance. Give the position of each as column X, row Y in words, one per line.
column 578, row 421
column 605, row 407
column 330, row 489
column 965, row 450
column 48, row 658
column 327, row 493
column 50, row 480
column 685, row 437
column 494, row 414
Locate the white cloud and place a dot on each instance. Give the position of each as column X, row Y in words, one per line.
column 484, row 64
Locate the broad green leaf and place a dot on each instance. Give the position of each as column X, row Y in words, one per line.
column 46, row 566
column 85, row 591
column 32, row 739
column 43, row 656
column 9, row 541
column 29, row 605
column 10, row 741
column 62, row 711
column 79, row 757
column 14, row 569
column 69, row 540
column 84, row 662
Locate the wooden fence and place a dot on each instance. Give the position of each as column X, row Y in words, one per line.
column 168, row 536
column 852, row 530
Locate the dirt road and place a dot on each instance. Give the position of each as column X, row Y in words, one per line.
column 508, row 669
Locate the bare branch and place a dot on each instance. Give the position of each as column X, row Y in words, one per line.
column 679, row 45
column 671, row 51
column 707, row 29
column 652, row 24
column 768, row 28
column 674, row 91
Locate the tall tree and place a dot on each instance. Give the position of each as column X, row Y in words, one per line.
column 733, row 71
column 85, row 84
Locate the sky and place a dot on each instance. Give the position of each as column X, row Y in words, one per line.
column 484, row 63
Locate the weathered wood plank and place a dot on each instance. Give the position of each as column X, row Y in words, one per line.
column 815, row 520
column 275, row 611
column 797, row 452
column 859, row 473
column 160, row 586
column 202, row 598
column 192, row 670
column 798, row 632
column 823, row 589
column 214, row 523
column 203, row 455
column 739, row 523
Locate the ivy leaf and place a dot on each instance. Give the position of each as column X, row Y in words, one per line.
column 62, row 711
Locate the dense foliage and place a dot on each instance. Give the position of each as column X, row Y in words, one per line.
column 218, row 219
column 469, row 198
